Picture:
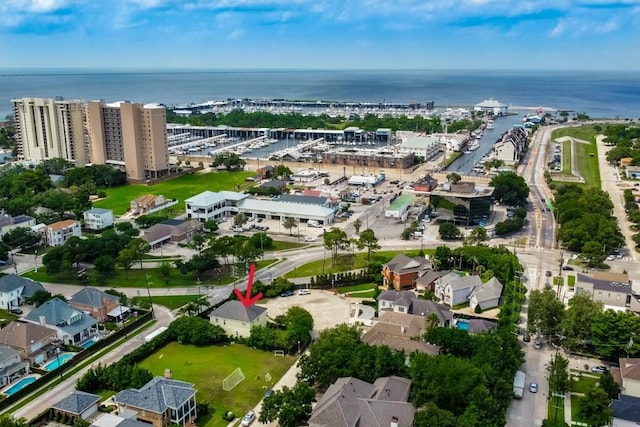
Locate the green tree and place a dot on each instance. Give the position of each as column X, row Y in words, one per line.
column 291, row 407
column 477, row 236
column 39, row 297
column 282, row 171
column 138, row 248
column 261, row 240
column 335, row 240
column 594, row 253
column 510, row 189
column 448, row 231
column 196, row 330
column 21, row 237
column 231, row 161
column 211, row 226
column 454, row 177
column 289, row 223
column 558, row 374
column 105, row 265
column 125, row 260
column 239, row 220
column 594, row 408
column 613, row 332
column 164, row 268
column 368, row 240
column 609, row 385
column 577, row 319
column 545, row 313
column 7, row 420
column 432, row 416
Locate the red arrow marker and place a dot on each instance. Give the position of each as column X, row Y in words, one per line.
column 246, row 300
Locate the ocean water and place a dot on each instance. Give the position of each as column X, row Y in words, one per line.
column 599, row 94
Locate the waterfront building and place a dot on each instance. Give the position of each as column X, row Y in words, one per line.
column 462, row 203
column 425, row 146
column 382, row 158
column 131, row 136
column 48, row 128
column 491, row 106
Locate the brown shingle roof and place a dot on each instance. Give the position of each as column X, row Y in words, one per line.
column 20, row 335
column 62, row 224
column 630, row 368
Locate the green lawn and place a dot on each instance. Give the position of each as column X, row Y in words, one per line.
column 195, row 365
column 137, row 278
column 566, row 158
column 571, row 280
column 346, row 262
column 6, row 317
column 587, row 154
column 555, row 408
column 580, row 384
column 575, row 405
column 279, row 245
column 170, row 301
column 356, row 288
column 180, row 188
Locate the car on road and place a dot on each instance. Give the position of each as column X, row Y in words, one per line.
column 304, row 292
column 268, row 393
column 533, row 387
column 526, row 337
column 15, row 311
column 599, row 369
column 249, row 418
column 259, row 220
column 537, row 343
column 548, row 273
column 567, row 268
column 287, row 294
column 611, row 257
column 309, row 239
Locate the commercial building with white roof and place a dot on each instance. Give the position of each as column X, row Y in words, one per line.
column 210, row 205
column 491, row 106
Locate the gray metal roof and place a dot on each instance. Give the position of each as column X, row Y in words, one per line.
column 488, row 291
column 77, row 402
column 235, row 310
column 59, row 313
column 11, row 282
column 285, row 208
column 157, row 395
column 626, row 408
column 458, row 282
column 92, row 297
column 308, row 200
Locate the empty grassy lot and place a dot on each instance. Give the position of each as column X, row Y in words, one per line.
column 586, row 154
column 180, row 188
column 207, row 367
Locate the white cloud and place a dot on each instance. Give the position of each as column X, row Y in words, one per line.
column 236, row 34
column 558, row 29
column 32, row 6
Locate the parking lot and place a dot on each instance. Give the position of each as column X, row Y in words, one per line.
column 326, row 308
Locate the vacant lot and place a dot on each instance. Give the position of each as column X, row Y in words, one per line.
column 207, row 367
column 586, row 154
column 180, row 189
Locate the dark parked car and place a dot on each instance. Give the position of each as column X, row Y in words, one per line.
column 599, row 369
column 526, row 337
column 549, row 273
column 15, row 311
column 287, row 294
column 567, row 268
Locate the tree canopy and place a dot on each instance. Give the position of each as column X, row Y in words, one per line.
column 510, row 189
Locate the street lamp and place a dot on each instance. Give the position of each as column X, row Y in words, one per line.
column 35, row 260
column 153, row 315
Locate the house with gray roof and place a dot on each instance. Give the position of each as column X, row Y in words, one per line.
column 400, row 332
column 172, row 230
column 98, row 218
column 398, row 301
column 9, row 223
column 78, row 405
column 402, row 271
column 34, row 342
column 14, row 290
column 12, row 366
column 613, row 290
column 71, row 325
column 407, row 302
column 160, row 402
column 100, row 305
column 487, row 295
column 454, row 289
column 352, row 402
column 237, row 320
column 626, row 410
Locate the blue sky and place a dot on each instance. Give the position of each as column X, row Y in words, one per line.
column 320, row 34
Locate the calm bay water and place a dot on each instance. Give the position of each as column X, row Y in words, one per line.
column 599, row 94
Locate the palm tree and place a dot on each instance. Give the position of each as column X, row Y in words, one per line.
column 357, row 224
column 289, row 223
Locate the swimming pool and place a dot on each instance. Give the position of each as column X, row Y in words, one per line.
column 57, row 361
column 16, row 387
column 88, row 343
column 463, row 325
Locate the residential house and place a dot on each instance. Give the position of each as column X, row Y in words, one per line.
column 400, row 332
column 122, row 419
column 407, row 302
column 98, row 218
column 210, row 205
column 100, row 305
column 266, row 171
column 427, row 280
column 612, row 289
column 237, row 320
column 632, row 172
column 401, row 272
column 34, row 342
column 8, row 223
column 172, row 230
column 78, row 405
column 487, row 295
column 275, row 184
column 629, row 376
column 626, row 411
column 160, row 402
column 511, row 146
column 454, row 289
column 15, row 290
column 11, row 365
column 476, row 326
column 352, row 402
column 71, row 325
column 59, row 232
column 150, row 203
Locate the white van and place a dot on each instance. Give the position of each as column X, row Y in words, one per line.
column 313, row 223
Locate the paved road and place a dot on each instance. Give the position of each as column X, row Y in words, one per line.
column 66, row 387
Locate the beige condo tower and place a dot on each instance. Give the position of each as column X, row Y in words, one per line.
column 48, row 128
column 130, row 135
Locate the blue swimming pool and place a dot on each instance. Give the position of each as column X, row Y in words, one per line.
column 20, row 385
column 463, row 325
column 57, row 361
column 88, row 343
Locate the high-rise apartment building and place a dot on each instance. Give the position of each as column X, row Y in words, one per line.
column 49, row 128
column 130, row 135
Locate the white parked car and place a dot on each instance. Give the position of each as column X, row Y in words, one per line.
column 304, row 292
column 248, row 419
column 309, row 239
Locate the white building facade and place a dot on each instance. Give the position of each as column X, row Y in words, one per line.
column 98, row 218
column 59, row 232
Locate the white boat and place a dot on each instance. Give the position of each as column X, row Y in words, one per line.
column 490, row 124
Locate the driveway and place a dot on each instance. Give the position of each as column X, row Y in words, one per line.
column 326, row 308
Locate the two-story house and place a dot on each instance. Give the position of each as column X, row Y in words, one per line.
column 236, row 319
column 454, row 289
column 59, row 232
column 12, row 366
column 487, row 295
column 160, row 402
column 408, row 302
column 15, row 290
column 71, row 325
column 401, row 272
column 98, row 218
column 34, row 342
column 96, row 303
column 629, row 374
column 210, row 205
column 9, row 223
column 400, row 332
column 150, row 203
column 613, row 290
